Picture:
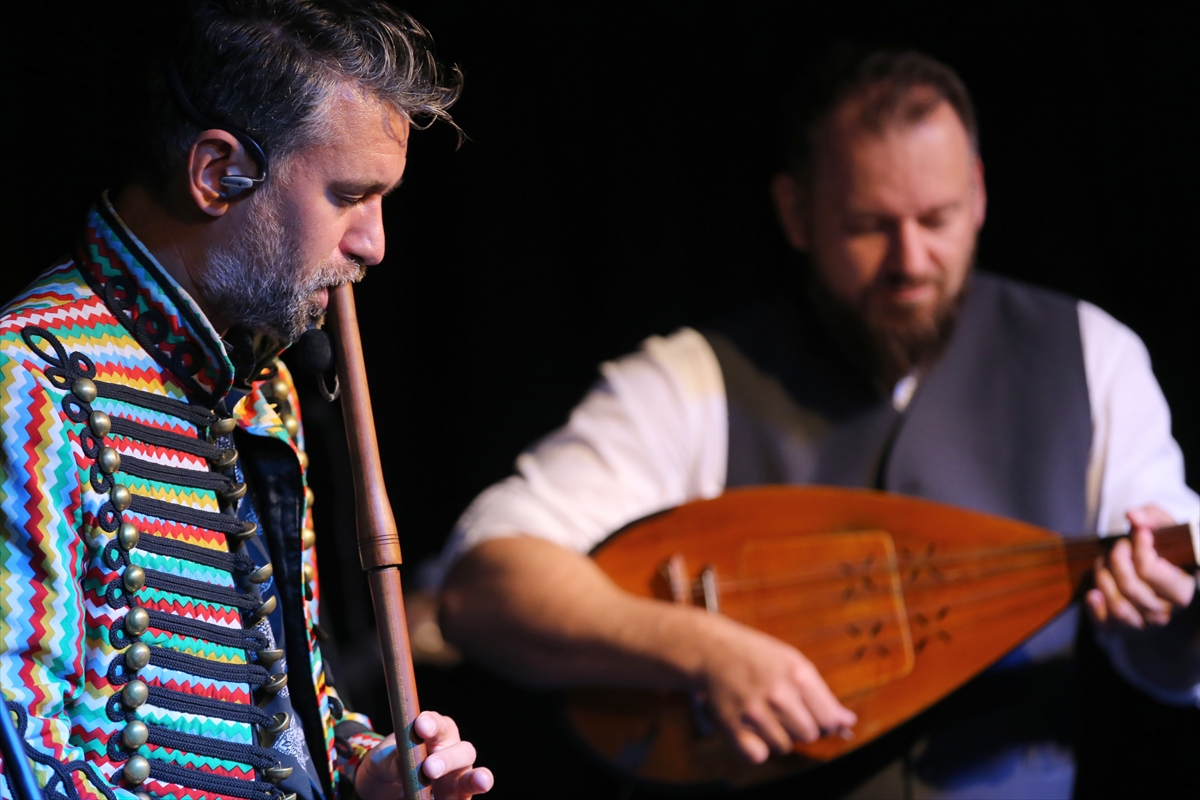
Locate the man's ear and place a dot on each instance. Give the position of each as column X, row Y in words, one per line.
column 979, row 194
column 791, row 202
column 214, row 154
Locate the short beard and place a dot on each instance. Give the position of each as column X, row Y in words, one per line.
column 260, row 282
column 897, row 341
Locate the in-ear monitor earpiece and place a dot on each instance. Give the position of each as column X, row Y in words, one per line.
column 235, row 184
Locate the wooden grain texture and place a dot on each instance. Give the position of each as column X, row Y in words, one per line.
column 378, row 540
column 897, row 601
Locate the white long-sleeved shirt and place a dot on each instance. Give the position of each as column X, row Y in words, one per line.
column 653, row 434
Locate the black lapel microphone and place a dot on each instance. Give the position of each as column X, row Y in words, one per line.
column 313, row 353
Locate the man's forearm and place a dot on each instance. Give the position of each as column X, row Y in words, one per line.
column 550, row 617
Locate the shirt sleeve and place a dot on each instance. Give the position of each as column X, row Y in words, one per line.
column 1135, row 462
column 650, row 435
column 354, row 739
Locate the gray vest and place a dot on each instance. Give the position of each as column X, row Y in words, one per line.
column 1001, row 424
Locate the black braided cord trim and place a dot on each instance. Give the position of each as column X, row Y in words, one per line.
column 236, row 563
column 118, row 597
column 173, row 512
column 131, row 429
column 216, row 784
column 252, row 754
column 199, row 416
column 252, row 674
column 180, row 476
column 248, row 639
column 201, row 590
column 242, row 638
column 186, row 703
column 61, row 770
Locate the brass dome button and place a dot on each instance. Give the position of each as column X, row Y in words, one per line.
column 109, row 460
column 128, row 536
column 100, row 423
column 84, row 389
column 279, row 723
column 137, row 621
column 135, row 694
column 135, row 735
column 267, row 658
column 290, row 424
column 308, row 496
column 277, row 774
column 120, row 496
column 262, row 574
column 137, row 655
column 263, row 611
column 303, row 456
column 234, row 493
column 249, row 531
column 279, row 389
column 227, row 459
column 308, row 573
column 223, row 427
column 134, row 578
column 136, row 770
column 308, row 537
column 275, row 683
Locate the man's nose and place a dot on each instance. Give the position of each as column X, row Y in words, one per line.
column 364, row 239
column 909, row 254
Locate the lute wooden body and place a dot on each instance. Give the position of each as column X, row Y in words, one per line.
column 897, row 601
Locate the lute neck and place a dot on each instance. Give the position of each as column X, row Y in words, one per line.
column 1173, row 543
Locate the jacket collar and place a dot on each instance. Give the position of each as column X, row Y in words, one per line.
column 152, row 306
column 169, row 325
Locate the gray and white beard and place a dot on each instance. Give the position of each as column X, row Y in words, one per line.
column 259, row 281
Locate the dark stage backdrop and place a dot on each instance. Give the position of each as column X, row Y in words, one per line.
column 613, row 185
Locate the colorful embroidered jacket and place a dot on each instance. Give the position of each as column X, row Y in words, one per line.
column 157, row 573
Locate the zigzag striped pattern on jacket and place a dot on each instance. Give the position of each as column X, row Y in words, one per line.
column 70, row 645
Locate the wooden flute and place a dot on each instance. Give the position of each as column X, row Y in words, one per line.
column 378, row 540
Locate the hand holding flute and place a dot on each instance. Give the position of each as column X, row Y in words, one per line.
column 448, row 767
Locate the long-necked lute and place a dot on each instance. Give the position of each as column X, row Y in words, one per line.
column 897, row 601
column 378, row 540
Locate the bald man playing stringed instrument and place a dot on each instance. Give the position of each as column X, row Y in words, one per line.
column 900, row 368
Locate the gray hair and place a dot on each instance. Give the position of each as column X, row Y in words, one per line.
column 272, row 67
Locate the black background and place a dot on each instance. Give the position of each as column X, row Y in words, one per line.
column 613, row 186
